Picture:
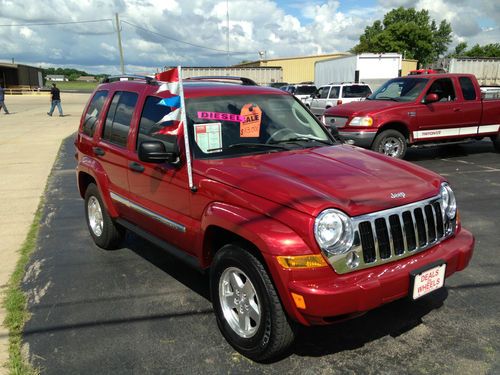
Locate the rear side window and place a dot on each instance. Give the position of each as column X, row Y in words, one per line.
column 334, row 92
column 150, row 127
column 468, row 88
column 356, row 91
column 119, row 117
column 93, row 113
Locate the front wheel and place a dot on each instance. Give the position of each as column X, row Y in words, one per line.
column 391, row 143
column 104, row 231
column 248, row 310
column 496, row 142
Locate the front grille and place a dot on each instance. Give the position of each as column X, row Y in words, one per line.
column 335, row 121
column 401, row 231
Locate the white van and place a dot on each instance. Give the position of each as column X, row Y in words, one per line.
column 335, row 94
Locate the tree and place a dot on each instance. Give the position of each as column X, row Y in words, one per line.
column 488, row 50
column 409, row 32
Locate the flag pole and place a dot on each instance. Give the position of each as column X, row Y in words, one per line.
column 186, row 134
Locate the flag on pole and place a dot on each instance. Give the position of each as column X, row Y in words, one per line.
column 172, row 83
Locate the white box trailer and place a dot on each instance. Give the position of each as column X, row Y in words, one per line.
column 371, row 68
column 487, row 71
column 262, row 76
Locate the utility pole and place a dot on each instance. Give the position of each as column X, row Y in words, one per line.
column 122, row 66
column 227, row 31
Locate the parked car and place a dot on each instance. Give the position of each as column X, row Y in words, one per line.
column 300, row 91
column 336, row 94
column 418, row 111
column 277, row 211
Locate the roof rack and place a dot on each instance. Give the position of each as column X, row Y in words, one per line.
column 244, row 81
column 129, row 77
column 347, row 83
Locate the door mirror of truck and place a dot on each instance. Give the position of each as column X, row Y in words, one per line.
column 158, row 152
column 431, row 98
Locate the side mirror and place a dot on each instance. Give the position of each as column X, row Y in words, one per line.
column 431, row 98
column 158, row 152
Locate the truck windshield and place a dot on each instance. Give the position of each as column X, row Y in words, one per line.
column 223, row 126
column 402, row 89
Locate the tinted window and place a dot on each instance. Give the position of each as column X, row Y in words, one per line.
column 305, row 90
column 356, row 91
column 150, row 127
column 468, row 88
column 334, row 92
column 119, row 117
column 444, row 89
column 323, row 92
column 93, row 112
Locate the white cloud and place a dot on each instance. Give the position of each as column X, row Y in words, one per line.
column 318, row 26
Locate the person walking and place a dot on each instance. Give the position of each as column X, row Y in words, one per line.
column 55, row 100
column 2, row 100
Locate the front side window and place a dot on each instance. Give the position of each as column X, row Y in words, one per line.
column 93, row 112
column 323, row 92
column 119, row 117
column 443, row 88
column 225, row 126
column 151, row 128
column 334, row 92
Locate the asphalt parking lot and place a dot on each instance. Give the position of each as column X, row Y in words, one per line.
column 137, row 310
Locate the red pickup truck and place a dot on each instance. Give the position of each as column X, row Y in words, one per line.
column 418, row 110
column 291, row 225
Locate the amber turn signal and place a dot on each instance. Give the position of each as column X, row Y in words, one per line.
column 299, row 301
column 302, row 261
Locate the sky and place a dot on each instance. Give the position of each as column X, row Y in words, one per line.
column 158, row 33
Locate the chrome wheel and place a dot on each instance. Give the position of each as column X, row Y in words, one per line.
column 391, row 146
column 239, row 302
column 96, row 221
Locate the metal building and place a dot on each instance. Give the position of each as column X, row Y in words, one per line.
column 262, row 76
column 295, row 69
column 15, row 75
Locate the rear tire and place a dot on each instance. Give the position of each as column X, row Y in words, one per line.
column 496, row 142
column 104, row 231
column 247, row 307
column 391, row 143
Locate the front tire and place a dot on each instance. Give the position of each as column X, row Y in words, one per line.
column 496, row 142
column 391, row 143
column 104, row 231
column 247, row 307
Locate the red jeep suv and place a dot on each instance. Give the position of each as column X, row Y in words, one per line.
column 292, row 225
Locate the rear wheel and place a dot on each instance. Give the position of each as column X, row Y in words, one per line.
column 496, row 142
column 104, row 231
column 391, row 143
column 248, row 310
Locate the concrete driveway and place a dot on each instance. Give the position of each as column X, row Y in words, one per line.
column 138, row 311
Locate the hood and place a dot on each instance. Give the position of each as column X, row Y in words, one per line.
column 362, row 108
column 352, row 179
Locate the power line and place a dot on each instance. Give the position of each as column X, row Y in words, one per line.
column 188, row 43
column 56, row 23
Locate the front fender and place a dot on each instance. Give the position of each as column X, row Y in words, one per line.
column 93, row 168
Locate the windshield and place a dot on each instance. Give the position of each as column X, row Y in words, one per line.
column 305, row 90
column 247, row 124
column 400, row 89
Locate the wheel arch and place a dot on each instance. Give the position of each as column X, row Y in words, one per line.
column 399, row 126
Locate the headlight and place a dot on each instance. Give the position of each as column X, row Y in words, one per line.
column 361, row 121
column 449, row 201
column 333, row 231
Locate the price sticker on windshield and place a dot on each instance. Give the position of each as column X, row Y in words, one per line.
column 250, row 127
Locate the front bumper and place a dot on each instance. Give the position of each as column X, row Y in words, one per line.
column 343, row 295
column 361, row 138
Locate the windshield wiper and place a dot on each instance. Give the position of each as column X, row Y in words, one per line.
column 388, row 98
column 304, row 138
column 248, row 145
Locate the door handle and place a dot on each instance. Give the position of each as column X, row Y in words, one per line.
column 98, row 151
column 136, row 167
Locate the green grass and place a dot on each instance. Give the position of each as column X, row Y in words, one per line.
column 74, row 85
column 15, row 302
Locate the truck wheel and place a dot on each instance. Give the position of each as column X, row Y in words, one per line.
column 248, row 311
column 496, row 142
column 104, row 231
column 390, row 142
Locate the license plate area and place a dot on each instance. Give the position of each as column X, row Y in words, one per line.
column 427, row 279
